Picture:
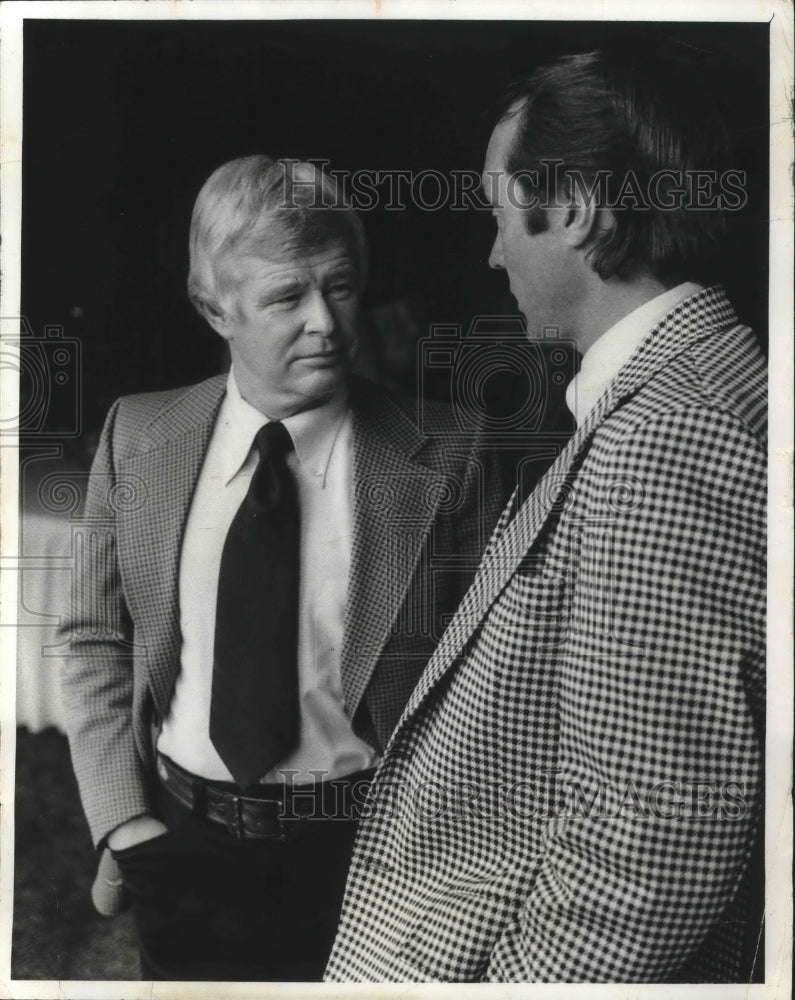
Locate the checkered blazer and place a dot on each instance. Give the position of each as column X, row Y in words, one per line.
column 425, row 501
column 572, row 792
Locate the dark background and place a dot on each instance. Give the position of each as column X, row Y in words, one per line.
column 124, row 120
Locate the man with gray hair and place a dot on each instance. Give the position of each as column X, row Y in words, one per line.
column 244, row 634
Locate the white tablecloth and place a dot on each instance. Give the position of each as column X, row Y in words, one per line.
column 52, row 491
column 44, row 593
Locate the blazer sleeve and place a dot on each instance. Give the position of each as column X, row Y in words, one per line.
column 98, row 669
column 660, row 700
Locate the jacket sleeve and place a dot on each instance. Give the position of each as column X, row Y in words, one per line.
column 660, row 700
column 98, row 669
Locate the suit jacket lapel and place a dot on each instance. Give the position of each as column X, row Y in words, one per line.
column 506, row 553
column 394, row 505
column 697, row 317
column 167, row 462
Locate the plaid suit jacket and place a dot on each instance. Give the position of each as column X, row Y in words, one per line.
column 423, row 510
column 572, row 792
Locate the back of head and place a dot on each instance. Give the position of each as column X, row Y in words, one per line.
column 279, row 210
column 636, row 128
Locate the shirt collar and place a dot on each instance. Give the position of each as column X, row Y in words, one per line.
column 610, row 352
column 314, row 432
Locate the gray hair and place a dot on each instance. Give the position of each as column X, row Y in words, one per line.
column 275, row 209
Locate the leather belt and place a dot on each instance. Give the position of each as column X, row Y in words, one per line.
column 271, row 812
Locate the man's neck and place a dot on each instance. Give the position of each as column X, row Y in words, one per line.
column 610, row 301
column 277, row 406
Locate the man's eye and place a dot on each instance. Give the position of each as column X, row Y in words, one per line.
column 342, row 289
column 289, row 298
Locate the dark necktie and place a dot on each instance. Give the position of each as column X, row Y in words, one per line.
column 254, row 707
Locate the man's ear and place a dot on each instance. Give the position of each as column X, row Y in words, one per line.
column 583, row 220
column 216, row 316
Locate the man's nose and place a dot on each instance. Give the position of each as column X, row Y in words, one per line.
column 318, row 318
column 496, row 259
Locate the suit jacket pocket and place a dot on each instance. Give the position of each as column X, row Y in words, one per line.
column 456, row 929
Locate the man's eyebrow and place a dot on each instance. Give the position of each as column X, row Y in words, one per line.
column 278, row 283
column 344, row 267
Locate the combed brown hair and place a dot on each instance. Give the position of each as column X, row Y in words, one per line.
column 647, row 110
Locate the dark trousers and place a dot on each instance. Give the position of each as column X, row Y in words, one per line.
column 210, row 907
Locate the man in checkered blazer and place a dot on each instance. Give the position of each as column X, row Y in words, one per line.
column 573, row 793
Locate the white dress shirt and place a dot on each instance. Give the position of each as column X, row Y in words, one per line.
column 323, row 467
column 608, row 355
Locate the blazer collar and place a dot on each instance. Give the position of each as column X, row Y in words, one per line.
column 384, row 419
column 697, row 317
column 193, row 409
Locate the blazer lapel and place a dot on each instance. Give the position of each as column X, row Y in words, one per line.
column 394, row 505
column 696, row 318
column 167, row 464
column 505, row 554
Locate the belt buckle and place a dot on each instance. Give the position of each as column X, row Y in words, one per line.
column 235, row 820
column 243, row 829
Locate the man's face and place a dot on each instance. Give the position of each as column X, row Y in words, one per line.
column 292, row 328
column 542, row 274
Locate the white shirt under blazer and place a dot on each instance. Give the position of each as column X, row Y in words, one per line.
column 322, row 464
